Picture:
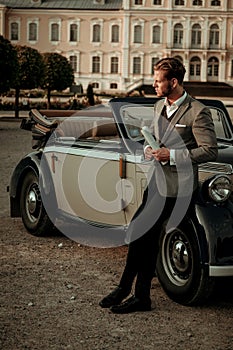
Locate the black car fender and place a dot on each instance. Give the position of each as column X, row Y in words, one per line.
column 191, row 226
column 32, row 162
column 29, row 163
column 216, row 222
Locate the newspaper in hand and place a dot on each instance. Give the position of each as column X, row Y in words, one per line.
column 149, row 137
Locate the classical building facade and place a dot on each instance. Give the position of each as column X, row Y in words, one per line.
column 115, row 43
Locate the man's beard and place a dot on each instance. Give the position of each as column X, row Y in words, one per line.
column 169, row 91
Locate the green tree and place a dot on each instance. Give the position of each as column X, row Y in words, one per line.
column 58, row 73
column 8, row 64
column 30, row 71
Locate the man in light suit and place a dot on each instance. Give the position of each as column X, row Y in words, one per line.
column 185, row 131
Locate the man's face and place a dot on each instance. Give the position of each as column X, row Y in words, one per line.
column 163, row 87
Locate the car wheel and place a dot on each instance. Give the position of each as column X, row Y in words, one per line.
column 179, row 269
column 34, row 216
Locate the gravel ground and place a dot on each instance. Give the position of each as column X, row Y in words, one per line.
column 51, row 286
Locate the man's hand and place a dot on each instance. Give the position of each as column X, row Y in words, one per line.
column 161, row 155
column 148, row 153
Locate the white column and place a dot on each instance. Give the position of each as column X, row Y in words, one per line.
column 2, row 21
column 126, row 4
column 187, row 30
column 222, row 62
column 223, row 29
column 186, row 65
column 205, row 36
column 204, row 67
column 125, row 46
column 169, row 32
column 222, row 67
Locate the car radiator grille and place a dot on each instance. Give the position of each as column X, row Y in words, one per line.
column 216, row 168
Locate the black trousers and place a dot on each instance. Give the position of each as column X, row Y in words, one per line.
column 142, row 251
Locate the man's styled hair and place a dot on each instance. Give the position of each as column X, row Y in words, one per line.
column 173, row 68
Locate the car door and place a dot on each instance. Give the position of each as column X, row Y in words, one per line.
column 86, row 178
column 132, row 115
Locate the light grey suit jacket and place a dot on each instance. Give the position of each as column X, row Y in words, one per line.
column 191, row 135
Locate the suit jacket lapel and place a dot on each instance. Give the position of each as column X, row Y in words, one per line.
column 178, row 114
column 182, row 109
column 158, row 111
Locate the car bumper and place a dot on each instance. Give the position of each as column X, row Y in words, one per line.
column 221, row 271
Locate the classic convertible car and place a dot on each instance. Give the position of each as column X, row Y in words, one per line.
column 87, row 176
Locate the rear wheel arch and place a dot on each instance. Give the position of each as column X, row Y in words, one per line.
column 23, row 167
column 33, row 213
column 28, row 178
column 32, row 163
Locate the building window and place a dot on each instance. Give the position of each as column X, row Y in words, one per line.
column 231, row 68
column 179, row 2
column 114, row 65
column 213, row 66
column 157, row 2
column 196, row 35
column 136, row 65
column 73, row 32
column 32, row 32
column 137, row 2
column 215, row 3
column 54, row 32
column 195, row 67
column 115, row 33
column 156, row 31
column 14, row 31
column 179, row 58
column 153, row 63
column 178, row 35
column 96, row 64
column 137, row 34
column 74, row 62
column 214, row 35
column 95, row 85
column 96, row 33
column 197, row 2
column 113, row 86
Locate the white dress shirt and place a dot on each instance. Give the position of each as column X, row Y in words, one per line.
column 171, row 109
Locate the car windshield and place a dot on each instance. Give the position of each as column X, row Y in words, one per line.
column 222, row 128
column 134, row 118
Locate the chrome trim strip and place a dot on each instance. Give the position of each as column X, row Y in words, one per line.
column 221, row 271
column 93, row 153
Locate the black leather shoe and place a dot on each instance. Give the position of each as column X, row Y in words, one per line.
column 132, row 304
column 114, row 298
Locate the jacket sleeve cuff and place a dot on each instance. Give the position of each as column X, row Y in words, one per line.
column 172, row 157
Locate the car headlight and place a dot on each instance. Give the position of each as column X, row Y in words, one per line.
column 220, row 188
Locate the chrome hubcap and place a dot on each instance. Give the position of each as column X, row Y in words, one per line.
column 177, row 257
column 33, row 203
